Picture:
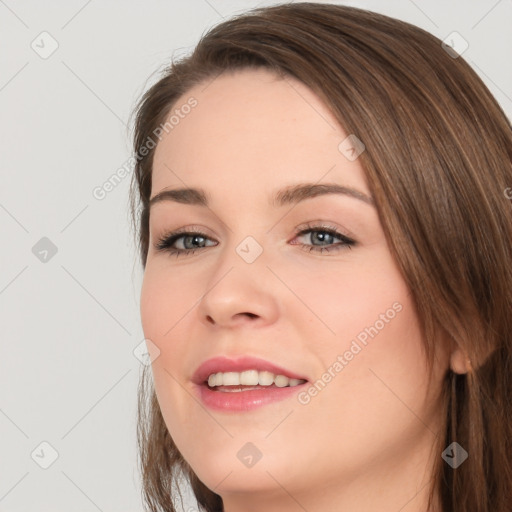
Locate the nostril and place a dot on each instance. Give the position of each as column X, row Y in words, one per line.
column 250, row 315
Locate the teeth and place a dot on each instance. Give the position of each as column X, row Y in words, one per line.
column 251, row 378
column 231, row 379
column 281, row 381
column 265, row 378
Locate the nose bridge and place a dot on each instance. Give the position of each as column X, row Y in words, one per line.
column 247, row 236
column 249, row 249
column 240, row 283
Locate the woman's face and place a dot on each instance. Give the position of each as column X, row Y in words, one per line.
column 332, row 309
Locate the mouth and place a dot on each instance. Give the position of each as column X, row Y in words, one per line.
column 243, row 384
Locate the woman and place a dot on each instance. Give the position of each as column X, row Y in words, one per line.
column 326, row 237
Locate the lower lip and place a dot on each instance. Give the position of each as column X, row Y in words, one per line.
column 240, row 401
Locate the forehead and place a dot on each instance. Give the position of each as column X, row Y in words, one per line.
column 252, row 128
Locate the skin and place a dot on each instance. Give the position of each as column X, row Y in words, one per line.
column 364, row 441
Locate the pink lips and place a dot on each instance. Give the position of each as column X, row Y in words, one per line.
column 241, row 401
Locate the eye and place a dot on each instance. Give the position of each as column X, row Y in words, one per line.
column 190, row 241
column 323, row 239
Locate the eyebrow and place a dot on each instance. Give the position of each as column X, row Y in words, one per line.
column 288, row 195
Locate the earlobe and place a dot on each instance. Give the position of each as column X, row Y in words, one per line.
column 459, row 362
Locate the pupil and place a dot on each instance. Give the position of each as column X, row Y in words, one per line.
column 194, row 240
column 322, row 236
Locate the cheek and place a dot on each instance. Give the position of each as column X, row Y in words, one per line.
column 373, row 393
column 370, row 340
column 381, row 375
column 347, row 296
column 165, row 303
column 165, row 298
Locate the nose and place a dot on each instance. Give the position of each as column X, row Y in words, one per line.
column 240, row 293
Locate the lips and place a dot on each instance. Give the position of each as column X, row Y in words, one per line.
column 240, row 364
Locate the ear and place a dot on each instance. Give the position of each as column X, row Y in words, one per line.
column 459, row 362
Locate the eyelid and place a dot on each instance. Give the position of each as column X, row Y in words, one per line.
column 320, row 224
column 195, row 228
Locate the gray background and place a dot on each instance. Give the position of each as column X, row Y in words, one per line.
column 70, row 320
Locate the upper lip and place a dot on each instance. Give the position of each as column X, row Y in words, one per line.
column 239, row 364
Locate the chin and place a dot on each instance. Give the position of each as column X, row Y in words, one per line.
column 232, row 480
column 223, row 471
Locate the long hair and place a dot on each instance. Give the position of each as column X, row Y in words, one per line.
column 438, row 161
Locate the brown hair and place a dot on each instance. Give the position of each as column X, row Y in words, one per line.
column 438, row 161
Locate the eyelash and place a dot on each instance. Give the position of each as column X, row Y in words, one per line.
column 165, row 243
